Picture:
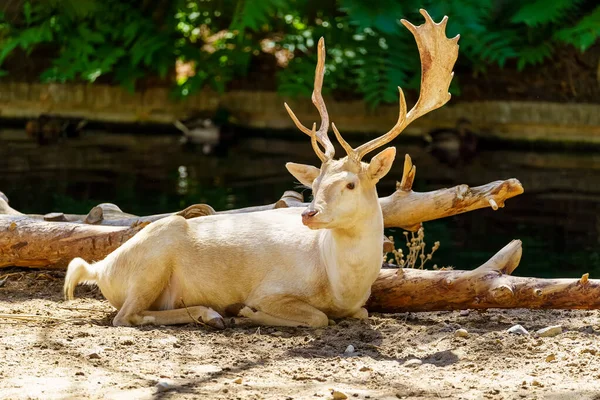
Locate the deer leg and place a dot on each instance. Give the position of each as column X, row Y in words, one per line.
column 135, row 313
column 284, row 312
column 185, row 316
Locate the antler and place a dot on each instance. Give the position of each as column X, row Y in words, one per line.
column 317, row 99
column 438, row 55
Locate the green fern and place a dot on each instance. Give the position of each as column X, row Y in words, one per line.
column 252, row 14
column 584, row 34
column 533, row 55
column 496, row 47
column 297, row 79
column 369, row 53
column 543, row 11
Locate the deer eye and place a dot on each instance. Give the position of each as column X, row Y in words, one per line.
column 350, row 185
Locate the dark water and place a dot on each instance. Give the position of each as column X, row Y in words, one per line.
column 558, row 217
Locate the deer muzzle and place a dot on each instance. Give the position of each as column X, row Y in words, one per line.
column 307, row 215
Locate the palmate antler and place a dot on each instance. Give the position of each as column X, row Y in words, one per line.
column 438, row 55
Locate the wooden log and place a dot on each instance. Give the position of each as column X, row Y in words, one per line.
column 407, row 209
column 28, row 242
column 489, row 286
column 289, row 199
column 5, row 208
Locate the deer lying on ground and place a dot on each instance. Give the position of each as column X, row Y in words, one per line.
column 282, row 267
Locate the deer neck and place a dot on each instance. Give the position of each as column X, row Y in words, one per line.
column 352, row 258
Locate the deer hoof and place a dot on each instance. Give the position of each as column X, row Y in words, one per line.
column 217, row 323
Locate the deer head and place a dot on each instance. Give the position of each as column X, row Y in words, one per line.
column 344, row 190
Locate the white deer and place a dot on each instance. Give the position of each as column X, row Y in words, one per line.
column 282, row 267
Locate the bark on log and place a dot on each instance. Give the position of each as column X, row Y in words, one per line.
column 27, row 242
column 489, row 286
column 408, row 209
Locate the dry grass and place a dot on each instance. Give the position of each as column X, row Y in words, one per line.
column 416, row 255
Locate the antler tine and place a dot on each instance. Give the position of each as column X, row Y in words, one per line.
column 317, row 99
column 438, row 55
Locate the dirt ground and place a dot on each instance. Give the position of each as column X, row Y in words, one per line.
column 70, row 350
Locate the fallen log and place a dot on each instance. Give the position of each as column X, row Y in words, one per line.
column 407, row 209
column 27, row 242
column 489, row 286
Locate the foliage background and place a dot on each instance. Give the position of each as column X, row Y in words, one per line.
column 215, row 42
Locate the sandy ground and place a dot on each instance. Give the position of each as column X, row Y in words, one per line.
column 78, row 354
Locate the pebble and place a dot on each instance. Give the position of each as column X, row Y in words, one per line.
column 517, row 330
column 337, row 395
column 413, row 363
column 163, row 386
column 550, row 331
column 349, row 349
column 238, row 381
column 551, row 357
column 461, row 333
column 93, row 356
column 588, row 329
column 464, row 313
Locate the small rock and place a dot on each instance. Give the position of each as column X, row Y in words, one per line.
column 79, row 373
column 365, row 369
column 550, row 331
column 337, row 395
column 461, row 333
column 2, row 282
column 413, row 363
column 93, row 356
column 551, row 357
column 238, row 381
column 588, row 329
column 464, row 313
column 332, row 322
column 536, row 383
column 163, row 386
column 590, row 351
column 349, row 349
column 517, row 330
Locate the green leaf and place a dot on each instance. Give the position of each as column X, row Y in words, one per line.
column 27, row 12
column 584, row 34
column 544, row 11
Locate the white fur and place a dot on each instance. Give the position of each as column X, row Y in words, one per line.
column 285, row 272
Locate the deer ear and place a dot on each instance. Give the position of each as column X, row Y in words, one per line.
column 381, row 164
column 305, row 174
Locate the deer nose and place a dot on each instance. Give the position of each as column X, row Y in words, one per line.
column 308, row 213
